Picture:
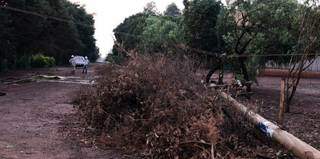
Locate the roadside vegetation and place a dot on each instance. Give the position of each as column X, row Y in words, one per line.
column 241, row 37
column 35, row 61
column 150, row 99
column 26, row 35
column 153, row 98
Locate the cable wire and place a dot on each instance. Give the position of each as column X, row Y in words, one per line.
column 230, row 56
column 43, row 16
column 139, row 36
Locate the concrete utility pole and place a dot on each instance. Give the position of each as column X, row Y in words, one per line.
column 287, row 140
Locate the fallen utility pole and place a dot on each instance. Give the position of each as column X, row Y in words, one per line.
column 290, row 142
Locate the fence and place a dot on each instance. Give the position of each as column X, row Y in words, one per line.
column 314, row 67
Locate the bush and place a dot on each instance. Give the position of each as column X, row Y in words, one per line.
column 51, row 61
column 39, row 61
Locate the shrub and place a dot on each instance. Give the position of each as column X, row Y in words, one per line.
column 51, row 61
column 39, row 61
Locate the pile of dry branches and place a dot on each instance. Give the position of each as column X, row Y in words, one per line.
column 157, row 107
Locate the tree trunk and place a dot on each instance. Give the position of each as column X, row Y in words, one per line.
column 291, row 90
column 245, row 74
column 210, row 73
column 221, row 75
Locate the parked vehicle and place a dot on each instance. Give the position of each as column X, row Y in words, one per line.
column 78, row 61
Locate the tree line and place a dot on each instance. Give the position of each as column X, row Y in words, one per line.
column 242, row 36
column 27, row 29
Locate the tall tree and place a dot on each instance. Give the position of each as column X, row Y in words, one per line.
column 161, row 34
column 151, row 8
column 7, row 38
column 308, row 46
column 86, row 30
column 27, row 28
column 256, row 27
column 200, row 21
column 172, row 10
column 127, row 36
column 201, row 17
column 128, row 33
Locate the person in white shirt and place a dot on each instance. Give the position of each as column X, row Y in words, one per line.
column 85, row 65
column 79, row 61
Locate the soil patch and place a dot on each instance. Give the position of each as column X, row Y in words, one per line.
column 37, row 118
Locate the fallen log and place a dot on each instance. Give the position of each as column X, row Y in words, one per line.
column 46, row 77
column 290, row 142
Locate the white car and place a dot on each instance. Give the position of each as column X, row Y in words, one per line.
column 79, row 61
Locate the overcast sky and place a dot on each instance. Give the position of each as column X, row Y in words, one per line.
column 110, row 13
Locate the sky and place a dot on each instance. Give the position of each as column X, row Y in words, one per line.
column 109, row 14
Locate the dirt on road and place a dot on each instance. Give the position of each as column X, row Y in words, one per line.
column 37, row 118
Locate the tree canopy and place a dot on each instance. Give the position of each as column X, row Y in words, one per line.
column 200, row 17
column 161, row 34
column 26, row 29
column 172, row 10
column 244, row 35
